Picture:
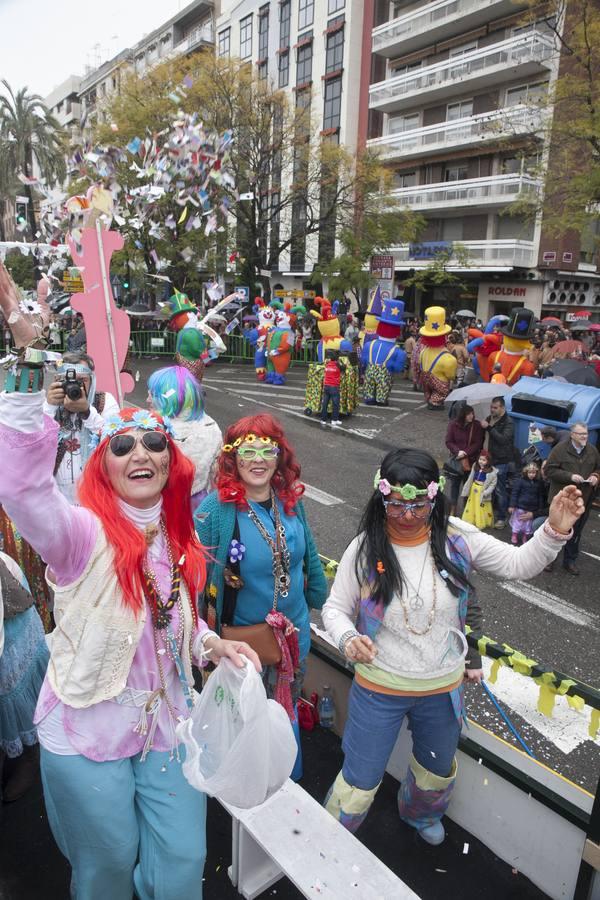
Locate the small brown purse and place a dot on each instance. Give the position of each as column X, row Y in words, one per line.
column 260, row 637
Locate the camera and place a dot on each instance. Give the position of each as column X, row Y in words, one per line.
column 72, row 385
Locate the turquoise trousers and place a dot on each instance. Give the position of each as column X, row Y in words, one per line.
column 126, row 825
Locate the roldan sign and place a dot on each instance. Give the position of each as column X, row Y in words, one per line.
column 506, row 290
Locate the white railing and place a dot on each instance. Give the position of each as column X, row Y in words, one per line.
column 495, row 189
column 418, row 21
column 495, row 125
column 512, row 252
column 518, row 50
column 203, row 34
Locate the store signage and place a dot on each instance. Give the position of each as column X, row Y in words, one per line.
column 382, row 267
column 577, row 317
column 549, row 256
column 567, row 256
column 429, row 249
column 72, row 285
column 507, row 290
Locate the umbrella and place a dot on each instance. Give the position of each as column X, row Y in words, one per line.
column 478, row 396
column 566, row 347
column 595, row 326
column 550, row 320
column 581, row 314
column 575, row 372
column 579, row 326
column 466, row 314
column 250, row 319
column 139, row 309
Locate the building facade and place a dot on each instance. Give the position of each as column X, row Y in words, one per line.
column 313, row 50
column 458, row 110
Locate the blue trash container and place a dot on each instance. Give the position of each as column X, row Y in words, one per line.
column 548, row 402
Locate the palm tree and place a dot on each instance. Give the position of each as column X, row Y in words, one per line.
column 28, row 132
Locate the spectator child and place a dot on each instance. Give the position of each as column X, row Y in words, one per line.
column 478, row 490
column 527, row 498
column 331, row 387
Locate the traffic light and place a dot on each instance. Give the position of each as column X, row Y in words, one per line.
column 125, row 284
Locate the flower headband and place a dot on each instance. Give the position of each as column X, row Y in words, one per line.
column 248, row 439
column 139, row 418
column 408, row 491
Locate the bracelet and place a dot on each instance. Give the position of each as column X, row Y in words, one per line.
column 24, row 379
column 206, row 635
column 557, row 535
column 347, row 636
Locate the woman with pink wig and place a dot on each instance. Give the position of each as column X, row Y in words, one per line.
column 126, row 568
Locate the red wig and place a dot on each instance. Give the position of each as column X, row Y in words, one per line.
column 128, row 543
column 286, row 480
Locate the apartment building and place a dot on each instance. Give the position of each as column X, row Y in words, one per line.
column 456, row 109
column 313, row 50
column 64, row 104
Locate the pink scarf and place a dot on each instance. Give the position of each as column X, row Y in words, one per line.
column 287, row 638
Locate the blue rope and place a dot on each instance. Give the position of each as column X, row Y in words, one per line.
column 506, row 719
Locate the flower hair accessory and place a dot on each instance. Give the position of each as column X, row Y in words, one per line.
column 408, row 491
column 248, row 439
column 136, row 418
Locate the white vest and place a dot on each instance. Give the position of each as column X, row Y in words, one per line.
column 96, row 634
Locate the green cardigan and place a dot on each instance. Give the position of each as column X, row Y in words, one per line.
column 215, row 525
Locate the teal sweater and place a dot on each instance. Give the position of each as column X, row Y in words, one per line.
column 215, row 525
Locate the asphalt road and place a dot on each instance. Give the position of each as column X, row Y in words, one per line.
column 554, row 619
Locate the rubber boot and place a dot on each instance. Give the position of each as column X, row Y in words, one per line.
column 423, row 799
column 349, row 805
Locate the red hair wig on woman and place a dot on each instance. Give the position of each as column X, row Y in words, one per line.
column 286, row 480
column 128, row 542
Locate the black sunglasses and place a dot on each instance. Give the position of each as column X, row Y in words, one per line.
column 122, row 444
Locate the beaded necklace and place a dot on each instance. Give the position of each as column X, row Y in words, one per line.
column 161, row 609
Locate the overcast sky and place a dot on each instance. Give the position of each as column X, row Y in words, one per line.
column 42, row 42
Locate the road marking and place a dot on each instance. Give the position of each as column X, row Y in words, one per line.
column 552, row 604
column 593, row 555
column 566, row 729
column 321, row 496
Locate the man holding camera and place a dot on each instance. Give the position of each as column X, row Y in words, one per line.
column 72, row 401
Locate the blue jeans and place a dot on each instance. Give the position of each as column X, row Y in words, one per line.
column 126, row 825
column 505, row 470
column 373, row 725
column 330, row 393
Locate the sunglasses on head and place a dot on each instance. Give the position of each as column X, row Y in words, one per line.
column 122, row 444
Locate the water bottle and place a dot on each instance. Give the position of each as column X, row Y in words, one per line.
column 326, row 708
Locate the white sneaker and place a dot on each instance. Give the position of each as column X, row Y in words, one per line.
column 323, row 423
column 336, row 422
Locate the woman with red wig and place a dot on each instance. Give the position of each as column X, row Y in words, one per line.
column 265, row 566
column 126, row 568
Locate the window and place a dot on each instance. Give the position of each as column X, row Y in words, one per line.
column 452, row 230
column 405, row 179
column 334, row 6
column 407, row 67
column 263, row 33
column 246, row 37
column 459, row 110
column 456, row 173
column 529, row 94
column 304, row 64
column 306, row 14
column 285, row 13
column 464, row 48
column 398, row 124
column 332, row 104
column 298, row 236
column 334, row 51
column 225, row 42
column 274, row 236
column 284, row 69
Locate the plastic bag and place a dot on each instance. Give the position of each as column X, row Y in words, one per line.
column 239, row 746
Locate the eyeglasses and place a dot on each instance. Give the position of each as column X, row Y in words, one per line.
column 122, row 444
column 398, row 509
column 250, row 453
column 579, row 433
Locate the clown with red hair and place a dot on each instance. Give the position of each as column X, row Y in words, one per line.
column 126, row 568
column 264, row 574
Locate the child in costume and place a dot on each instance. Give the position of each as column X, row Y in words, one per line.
column 527, row 498
column 398, row 610
column 331, row 387
column 479, row 489
column 382, row 356
column 436, row 365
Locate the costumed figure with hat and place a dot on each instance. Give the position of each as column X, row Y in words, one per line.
column 197, row 343
column 436, row 366
column 280, row 341
column 483, row 344
column 258, row 336
column 371, row 320
column 512, row 357
column 382, row 356
column 331, row 339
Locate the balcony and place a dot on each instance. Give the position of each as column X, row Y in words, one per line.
column 203, row 34
column 439, row 21
column 514, row 121
column 493, row 191
column 520, row 56
column 482, row 255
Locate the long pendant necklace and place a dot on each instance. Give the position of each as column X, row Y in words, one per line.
column 432, row 611
column 279, row 550
column 416, row 601
column 161, row 609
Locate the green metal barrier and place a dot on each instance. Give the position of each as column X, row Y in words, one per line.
column 152, row 343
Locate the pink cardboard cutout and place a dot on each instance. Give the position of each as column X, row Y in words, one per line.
column 102, row 338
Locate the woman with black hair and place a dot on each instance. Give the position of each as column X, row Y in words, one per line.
column 398, row 610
